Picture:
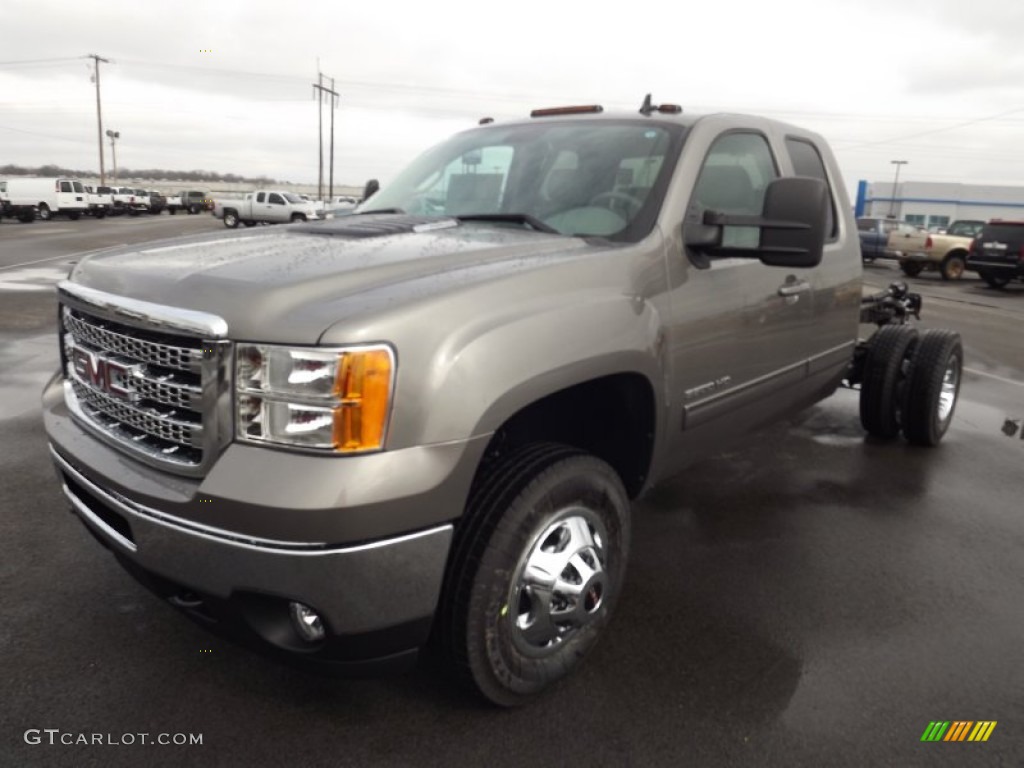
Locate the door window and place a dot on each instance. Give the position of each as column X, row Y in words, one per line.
column 275, row 199
column 65, row 186
column 261, row 197
column 807, row 162
column 735, row 175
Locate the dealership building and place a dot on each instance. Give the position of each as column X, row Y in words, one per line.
column 931, row 204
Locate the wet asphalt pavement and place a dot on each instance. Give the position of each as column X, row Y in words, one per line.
column 810, row 598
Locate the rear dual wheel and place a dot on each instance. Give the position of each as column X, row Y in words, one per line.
column 933, row 388
column 911, row 383
column 536, row 568
column 884, row 379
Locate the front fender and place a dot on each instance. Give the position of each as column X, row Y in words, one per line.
column 497, row 372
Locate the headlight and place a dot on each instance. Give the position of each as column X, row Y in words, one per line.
column 327, row 399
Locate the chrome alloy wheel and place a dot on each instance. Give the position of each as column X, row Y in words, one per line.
column 950, row 387
column 560, row 582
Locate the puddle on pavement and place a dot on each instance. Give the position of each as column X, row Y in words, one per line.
column 26, row 363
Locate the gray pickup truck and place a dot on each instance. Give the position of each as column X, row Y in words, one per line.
column 422, row 425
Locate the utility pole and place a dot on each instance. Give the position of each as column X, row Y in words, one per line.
column 319, row 94
column 321, row 89
column 334, row 106
column 99, row 115
column 114, row 135
column 895, row 181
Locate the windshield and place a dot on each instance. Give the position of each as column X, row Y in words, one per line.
column 590, row 178
column 293, row 198
column 966, row 228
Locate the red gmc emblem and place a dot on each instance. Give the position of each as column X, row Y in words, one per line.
column 103, row 374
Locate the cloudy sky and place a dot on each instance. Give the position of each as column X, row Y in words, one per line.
column 226, row 85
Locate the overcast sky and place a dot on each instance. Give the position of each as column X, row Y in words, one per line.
column 226, row 85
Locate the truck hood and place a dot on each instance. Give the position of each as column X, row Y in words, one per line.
column 289, row 284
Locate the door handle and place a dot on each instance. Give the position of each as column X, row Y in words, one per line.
column 794, row 288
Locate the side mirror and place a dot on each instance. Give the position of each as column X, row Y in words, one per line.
column 791, row 226
column 370, row 189
column 796, row 212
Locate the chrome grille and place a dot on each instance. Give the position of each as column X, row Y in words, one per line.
column 87, row 331
column 168, row 425
column 148, row 392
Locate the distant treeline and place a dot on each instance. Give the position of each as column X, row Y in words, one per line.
column 143, row 173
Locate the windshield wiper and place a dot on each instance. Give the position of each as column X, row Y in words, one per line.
column 380, row 210
column 512, row 218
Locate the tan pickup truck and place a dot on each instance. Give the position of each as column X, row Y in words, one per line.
column 946, row 253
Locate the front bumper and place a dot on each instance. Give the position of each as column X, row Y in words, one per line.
column 265, row 528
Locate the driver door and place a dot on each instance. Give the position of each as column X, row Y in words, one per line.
column 737, row 324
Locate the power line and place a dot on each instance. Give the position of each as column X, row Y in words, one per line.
column 31, row 62
column 44, row 135
column 919, row 134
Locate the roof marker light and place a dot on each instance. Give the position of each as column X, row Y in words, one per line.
column 579, row 110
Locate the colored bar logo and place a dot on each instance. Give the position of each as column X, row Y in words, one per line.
column 958, row 730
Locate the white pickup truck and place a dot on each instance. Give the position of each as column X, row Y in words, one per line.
column 130, row 201
column 264, row 206
column 100, row 199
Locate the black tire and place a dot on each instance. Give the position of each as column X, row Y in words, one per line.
column 911, row 268
column 952, row 267
column 27, row 218
column 249, row 223
column 44, row 212
column 172, row 211
column 298, row 217
column 540, row 501
column 74, row 215
column 884, row 380
column 101, row 214
column 193, row 210
column 933, row 387
column 994, row 280
column 231, row 219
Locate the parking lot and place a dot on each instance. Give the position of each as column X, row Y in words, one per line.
column 811, row 597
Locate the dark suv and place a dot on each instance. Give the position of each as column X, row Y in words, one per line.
column 997, row 254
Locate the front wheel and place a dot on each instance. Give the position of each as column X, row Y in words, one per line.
column 45, row 214
column 298, row 217
column 933, row 387
column 536, row 568
column 230, row 219
column 911, row 268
